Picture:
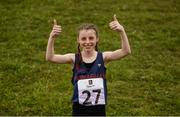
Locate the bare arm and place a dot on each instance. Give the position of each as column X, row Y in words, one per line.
column 50, row 56
column 125, row 47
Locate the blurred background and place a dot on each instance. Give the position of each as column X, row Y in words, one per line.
column 146, row 83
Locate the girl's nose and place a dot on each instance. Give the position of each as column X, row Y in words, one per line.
column 87, row 41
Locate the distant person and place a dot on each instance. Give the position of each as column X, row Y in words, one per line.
column 89, row 72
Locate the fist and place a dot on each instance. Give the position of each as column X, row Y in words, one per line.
column 56, row 30
column 115, row 25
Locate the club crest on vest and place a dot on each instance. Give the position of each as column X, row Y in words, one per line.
column 90, row 82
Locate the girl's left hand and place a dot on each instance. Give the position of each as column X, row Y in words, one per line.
column 115, row 25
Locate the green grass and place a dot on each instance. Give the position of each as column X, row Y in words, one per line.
column 144, row 83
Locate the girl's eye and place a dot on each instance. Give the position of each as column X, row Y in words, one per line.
column 91, row 38
column 83, row 39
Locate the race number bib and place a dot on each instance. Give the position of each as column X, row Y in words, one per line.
column 91, row 91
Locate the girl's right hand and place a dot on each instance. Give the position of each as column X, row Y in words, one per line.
column 56, row 30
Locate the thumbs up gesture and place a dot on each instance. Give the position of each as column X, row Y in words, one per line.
column 56, row 30
column 115, row 25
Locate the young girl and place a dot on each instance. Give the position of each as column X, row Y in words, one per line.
column 89, row 72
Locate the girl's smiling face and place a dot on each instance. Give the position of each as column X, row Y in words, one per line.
column 87, row 39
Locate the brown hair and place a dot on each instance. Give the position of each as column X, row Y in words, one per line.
column 86, row 27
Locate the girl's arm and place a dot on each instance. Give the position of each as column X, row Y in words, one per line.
column 50, row 56
column 125, row 47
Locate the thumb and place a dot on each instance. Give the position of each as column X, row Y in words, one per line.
column 55, row 22
column 114, row 17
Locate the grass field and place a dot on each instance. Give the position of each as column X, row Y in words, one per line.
column 144, row 83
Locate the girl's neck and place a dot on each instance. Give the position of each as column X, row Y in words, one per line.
column 88, row 54
column 89, row 57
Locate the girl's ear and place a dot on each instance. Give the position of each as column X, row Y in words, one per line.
column 97, row 40
column 77, row 40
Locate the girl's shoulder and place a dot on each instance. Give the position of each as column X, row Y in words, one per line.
column 72, row 56
column 105, row 56
column 69, row 57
